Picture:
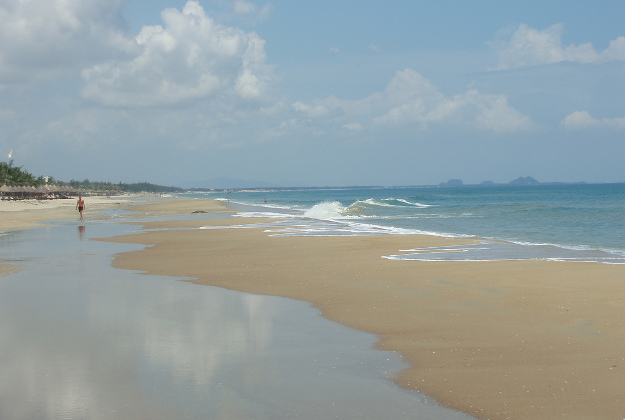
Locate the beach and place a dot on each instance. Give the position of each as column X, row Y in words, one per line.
column 497, row 339
column 82, row 339
column 26, row 214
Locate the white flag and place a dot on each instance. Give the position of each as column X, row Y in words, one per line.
column 10, row 153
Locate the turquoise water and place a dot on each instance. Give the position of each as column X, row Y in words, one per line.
column 581, row 222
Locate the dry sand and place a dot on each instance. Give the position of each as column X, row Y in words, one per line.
column 24, row 214
column 509, row 339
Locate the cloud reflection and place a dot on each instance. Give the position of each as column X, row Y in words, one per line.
column 89, row 341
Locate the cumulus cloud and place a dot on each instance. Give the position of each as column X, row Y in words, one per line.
column 580, row 120
column 531, row 47
column 248, row 9
column 42, row 38
column 188, row 58
column 615, row 51
column 410, row 98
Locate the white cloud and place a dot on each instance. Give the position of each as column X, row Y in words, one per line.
column 580, row 120
column 492, row 112
column 191, row 57
column 531, row 47
column 312, row 111
column 246, row 9
column 353, row 127
column 615, row 51
column 410, row 98
column 41, row 38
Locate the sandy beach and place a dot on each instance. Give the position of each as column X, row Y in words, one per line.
column 508, row 339
column 26, row 214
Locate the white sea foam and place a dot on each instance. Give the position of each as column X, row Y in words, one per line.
column 410, row 203
column 389, row 202
column 268, row 214
column 327, row 210
column 500, row 251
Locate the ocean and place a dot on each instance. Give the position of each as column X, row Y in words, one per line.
column 565, row 222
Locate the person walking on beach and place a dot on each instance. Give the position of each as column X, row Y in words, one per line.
column 80, row 205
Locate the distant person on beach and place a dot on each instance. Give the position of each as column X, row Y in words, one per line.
column 80, row 205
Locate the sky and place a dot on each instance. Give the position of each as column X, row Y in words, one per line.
column 313, row 93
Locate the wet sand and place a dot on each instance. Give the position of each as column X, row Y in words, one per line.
column 81, row 339
column 25, row 214
column 507, row 339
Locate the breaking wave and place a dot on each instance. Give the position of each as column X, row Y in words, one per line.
column 328, row 210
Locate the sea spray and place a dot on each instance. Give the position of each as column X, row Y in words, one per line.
column 327, row 210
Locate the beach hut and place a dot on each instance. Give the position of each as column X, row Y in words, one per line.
column 26, row 192
column 31, row 192
column 41, row 192
column 18, row 192
column 53, row 190
column 6, row 192
column 61, row 190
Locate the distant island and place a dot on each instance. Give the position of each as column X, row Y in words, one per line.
column 521, row 181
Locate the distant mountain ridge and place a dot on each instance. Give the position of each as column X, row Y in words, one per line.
column 523, row 180
column 528, row 180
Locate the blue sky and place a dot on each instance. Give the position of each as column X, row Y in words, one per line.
column 314, row 93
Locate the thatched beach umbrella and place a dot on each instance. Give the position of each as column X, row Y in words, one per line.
column 18, row 191
column 31, row 191
column 41, row 191
column 27, row 191
column 6, row 191
column 62, row 189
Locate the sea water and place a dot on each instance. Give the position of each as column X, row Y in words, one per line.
column 571, row 222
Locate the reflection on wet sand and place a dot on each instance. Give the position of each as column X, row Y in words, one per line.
column 80, row 339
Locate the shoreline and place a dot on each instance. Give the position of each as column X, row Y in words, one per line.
column 504, row 339
column 31, row 213
column 133, row 347
column 499, row 339
column 26, row 214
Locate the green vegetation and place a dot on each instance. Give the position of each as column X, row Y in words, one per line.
column 121, row 187
column 147, row 187
column 14, row 176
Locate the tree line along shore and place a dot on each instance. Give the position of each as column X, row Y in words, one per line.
column 18, row 184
